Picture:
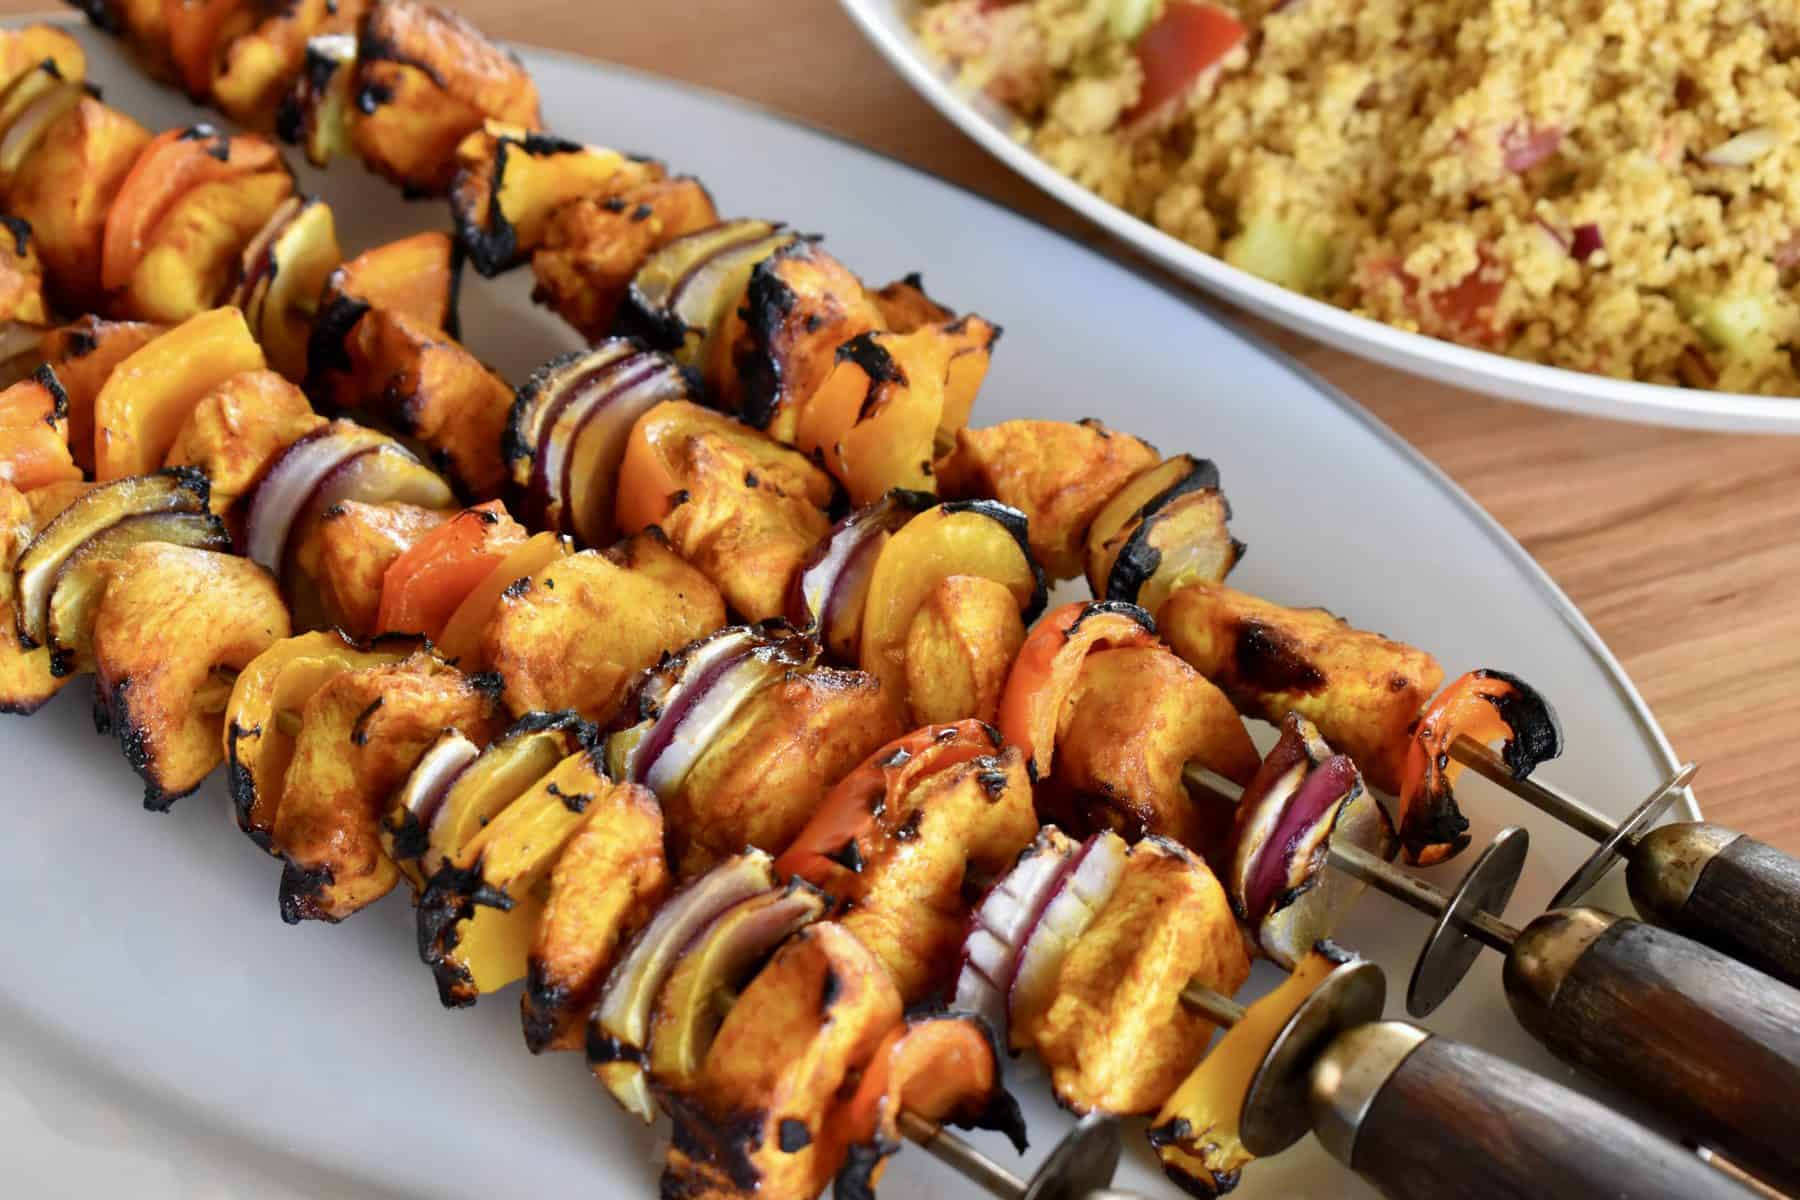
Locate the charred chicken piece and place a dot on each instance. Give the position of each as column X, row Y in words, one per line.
column 759, row 1117
column 740, row 506
column 896, row 839
column 425, row 79
column 1362, row 690
column 384, row 345
column 237, row 430
column 173, row 628
column 606, row 884
column 1136, row 717
column 1060, row 474
column 946, row 605
column 1167, row 527
column 780, row 341
column 80, row 527
column 510, row 182
column 1111, row 1025
column 593, row 247
column 577, row 632
column 263, row 717
column 360, row 734
column 765, row 773
column 256, row 69
column 98, row 146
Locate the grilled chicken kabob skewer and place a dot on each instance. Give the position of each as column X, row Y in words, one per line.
column 394, row 83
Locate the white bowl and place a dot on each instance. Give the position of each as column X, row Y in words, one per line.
column 886, row 23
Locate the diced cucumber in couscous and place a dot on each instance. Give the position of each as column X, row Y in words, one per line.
column 1281, row 253
column 1728, row 322
column 1125, row 19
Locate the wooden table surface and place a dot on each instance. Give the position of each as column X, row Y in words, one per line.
column 1680, row 547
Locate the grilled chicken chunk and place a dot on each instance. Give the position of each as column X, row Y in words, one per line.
column 349, row 551
column 1362, row 690
column 360, row 734
column 758, row 1121
column 1137, row 717
column 1058, row 473
column 174, row 626
column 593, row 246
column 1115, row 1035
column 575, row 634
column 239, row 428
column 765, row 775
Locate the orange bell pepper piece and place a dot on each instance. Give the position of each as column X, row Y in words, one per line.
column 1044, row 673
column 850, row 811
column 174, row 163
column 424, row 586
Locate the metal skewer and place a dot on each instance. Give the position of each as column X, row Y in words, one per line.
column 1721, row 888
column 1081, row 1166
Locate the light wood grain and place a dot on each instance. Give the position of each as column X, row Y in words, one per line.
column 1679, row 546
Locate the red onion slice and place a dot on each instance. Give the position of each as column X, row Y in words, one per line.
column 1000, row 923
column 827, row 593
column 550, row 472
column 590, row 469
column 1297, row 837
column 1261, row 807
column 690, row 698
column 258, row 261
column 278, row 499
column 1079, row 895
column 546, row 396
column 428, row 786
column 1316, row 898
column 620, row 1025
column 1585, row 241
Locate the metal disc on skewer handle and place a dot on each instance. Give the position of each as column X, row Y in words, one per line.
column 1617, row 840
column 1080, row 1167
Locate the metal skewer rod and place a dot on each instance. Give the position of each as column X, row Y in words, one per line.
column 1582, row 818
column 1422, row 896
column 961, row 1157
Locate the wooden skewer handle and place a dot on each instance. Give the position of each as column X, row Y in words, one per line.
column 1730, row 891
column 1712, row 1043
column 1450, row 1122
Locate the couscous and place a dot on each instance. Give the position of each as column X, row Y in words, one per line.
column 1607, row 185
